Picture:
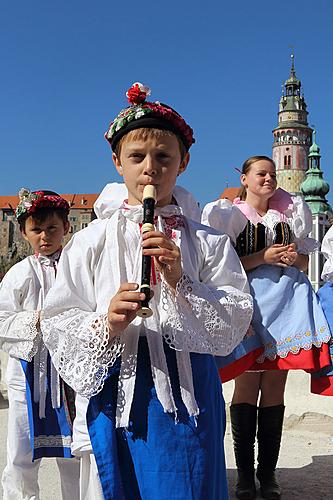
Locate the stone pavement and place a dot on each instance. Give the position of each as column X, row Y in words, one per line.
column 305, row 467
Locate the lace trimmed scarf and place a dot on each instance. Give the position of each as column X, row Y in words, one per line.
column 170, row 221
column 48, row 269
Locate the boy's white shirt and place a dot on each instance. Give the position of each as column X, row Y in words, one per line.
column 210, row 313
column 22, row 295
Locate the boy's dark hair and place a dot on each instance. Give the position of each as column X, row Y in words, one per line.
column 41, row 214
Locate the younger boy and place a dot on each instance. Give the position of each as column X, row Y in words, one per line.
column 156, row 415
column 40, row 404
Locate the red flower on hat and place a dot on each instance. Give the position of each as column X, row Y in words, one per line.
column 138, row 93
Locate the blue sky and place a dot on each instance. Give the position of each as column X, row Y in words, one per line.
column 65, row 67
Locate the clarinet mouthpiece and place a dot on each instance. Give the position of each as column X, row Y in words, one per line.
column 149, row 192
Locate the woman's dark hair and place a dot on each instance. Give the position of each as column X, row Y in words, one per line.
column 246, row 168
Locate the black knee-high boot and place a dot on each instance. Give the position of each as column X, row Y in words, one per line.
column 244, row 426
column 270, row 422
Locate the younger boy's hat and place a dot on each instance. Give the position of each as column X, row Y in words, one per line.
column 30, row 201
column 144, row 114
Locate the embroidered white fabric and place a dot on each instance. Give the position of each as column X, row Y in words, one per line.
column 198, row 320
column 23, row 337
column 52, row 441
column 231, row 221
column 304, row 244
column 327, row 250
column 301, row 223
column 84, row 354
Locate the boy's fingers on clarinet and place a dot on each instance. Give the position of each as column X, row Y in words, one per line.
column 152, row 234
column 127, row 287
column 125, row 301
column 157, row 240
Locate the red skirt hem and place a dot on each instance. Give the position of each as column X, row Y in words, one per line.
column 239, row 366
column 322, row 386
column 311, row 361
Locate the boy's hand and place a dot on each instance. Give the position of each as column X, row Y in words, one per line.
column 123, row 307
column 166, row 254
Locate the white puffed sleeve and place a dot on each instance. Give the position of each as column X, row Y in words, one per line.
column 225, row 217
column 301, row 225
column 76, row 335
column 327, row 250
column 212, row 314
column 19, row 335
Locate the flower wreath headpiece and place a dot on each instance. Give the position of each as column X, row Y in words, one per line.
column 144, row 114
column 30, row 201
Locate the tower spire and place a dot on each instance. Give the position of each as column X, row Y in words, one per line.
column 292, row 69
column 314, row 188
column 292, row 136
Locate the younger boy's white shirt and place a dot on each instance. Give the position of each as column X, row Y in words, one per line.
column 212, row 302
column 21, row 296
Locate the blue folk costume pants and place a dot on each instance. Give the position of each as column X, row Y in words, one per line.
column 157, row 457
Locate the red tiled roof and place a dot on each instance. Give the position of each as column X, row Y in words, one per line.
column 78, row 201
column 230, row 193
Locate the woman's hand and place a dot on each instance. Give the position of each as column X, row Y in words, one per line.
column 166, row 255
column 290, row 256
column 275, row 254
column 123, row 307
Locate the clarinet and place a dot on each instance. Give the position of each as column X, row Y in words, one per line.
column 149, row 198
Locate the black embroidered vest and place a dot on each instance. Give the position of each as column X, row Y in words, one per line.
column 253, row 237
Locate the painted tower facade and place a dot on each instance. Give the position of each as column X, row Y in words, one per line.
column 292, row 136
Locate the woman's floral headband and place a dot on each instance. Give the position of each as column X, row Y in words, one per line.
column 30, row 201
column 143, row 114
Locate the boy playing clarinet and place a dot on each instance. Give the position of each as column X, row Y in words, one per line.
column 156, row 414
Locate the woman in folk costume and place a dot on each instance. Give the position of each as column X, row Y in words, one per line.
column 322, row 381
column 269, row 229
column 156, row 414
column 40, row 404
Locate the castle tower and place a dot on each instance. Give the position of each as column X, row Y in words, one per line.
column 314, row 189
column 292, row 136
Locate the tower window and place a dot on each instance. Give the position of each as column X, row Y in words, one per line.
column 287, row 161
